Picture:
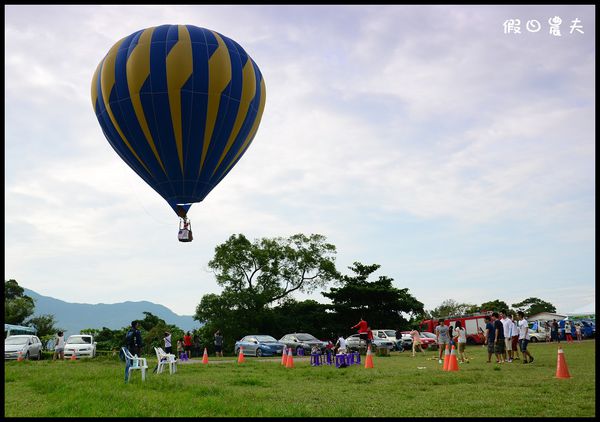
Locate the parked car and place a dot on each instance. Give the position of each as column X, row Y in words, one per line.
column 385, row 334
column 259, row 345
column 80, row 345
column 28, row 346
column 426, row 342
column 433, row 345
column 353, row 343
column 297, row 341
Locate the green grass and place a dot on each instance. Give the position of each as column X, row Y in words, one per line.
column 395, row 387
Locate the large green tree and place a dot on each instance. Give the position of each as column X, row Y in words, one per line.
column 259, row 275
column 267, row 270
column 380, row 303
column 533, row 305
column 17, row 305
column 45, row 325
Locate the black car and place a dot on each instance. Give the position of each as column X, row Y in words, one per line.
column 297, row 341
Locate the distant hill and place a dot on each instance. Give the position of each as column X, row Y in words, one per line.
column 74, row 317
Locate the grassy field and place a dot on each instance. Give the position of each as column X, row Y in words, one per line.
column 397, row 386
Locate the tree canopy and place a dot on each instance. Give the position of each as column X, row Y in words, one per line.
column 265, row 271
column 533, row 305
column 378, row 300
column 17, row 305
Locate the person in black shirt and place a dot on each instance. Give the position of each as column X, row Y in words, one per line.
column 499, row 345
column 134, row 339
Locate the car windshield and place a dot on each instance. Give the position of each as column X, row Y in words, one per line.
column 16, row 340
column 390, row 333
column 430, row 335
column 266, row 339
column 79, row 340
column 306, row 337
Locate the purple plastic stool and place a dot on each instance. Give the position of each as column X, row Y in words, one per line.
column 357, row 354
column 316, row 359
column 350, row 359
column 329, row 357
column 340, row 359
column 300, row 352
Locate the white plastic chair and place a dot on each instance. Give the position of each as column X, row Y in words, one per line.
column 164, row 359
column 134, row 362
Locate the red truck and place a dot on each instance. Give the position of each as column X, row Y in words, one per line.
column 474, row 324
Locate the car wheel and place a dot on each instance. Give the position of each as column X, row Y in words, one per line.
column 26, row 355
column 39, row 356
column 534, row 339
column 259, row 353
column 237, row 352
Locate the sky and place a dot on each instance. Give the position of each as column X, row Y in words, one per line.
column 435, row 141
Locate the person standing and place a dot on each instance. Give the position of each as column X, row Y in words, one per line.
column 187, row 344
column 499, row 344
column 554, row 331
column 515, row 338
column 442, row 337
column 548, row 331
column 134, row 339
column 59, row 346
column 578, row 331
column 490, row 336
column 180, row 348
column 369, row 337
column 524, row 337
column 168, row 344
column 363, row 331
column 197, row 344
column 416, row 342
column 461, row 340
column 218, row 344
column 568, row 331
column 507, row 328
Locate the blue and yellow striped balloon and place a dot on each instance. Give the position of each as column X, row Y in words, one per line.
column 180, row 105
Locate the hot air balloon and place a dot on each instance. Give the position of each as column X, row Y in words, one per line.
column 180, row 105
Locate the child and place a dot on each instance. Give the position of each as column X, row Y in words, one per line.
column 316, row 350
column 578, row 331
column 180, row 348
column 461, row 340
column 341, row 345
column 416, row 342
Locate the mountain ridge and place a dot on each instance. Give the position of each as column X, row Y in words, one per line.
column 73, row 317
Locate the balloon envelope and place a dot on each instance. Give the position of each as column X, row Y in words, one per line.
column 180, row 105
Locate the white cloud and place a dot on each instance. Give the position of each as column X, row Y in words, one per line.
column 397, row 115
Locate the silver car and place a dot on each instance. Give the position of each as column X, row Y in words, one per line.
column 353, row 343
column 28, row 346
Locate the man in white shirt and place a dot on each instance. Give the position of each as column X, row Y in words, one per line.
column 507, row 326
column 524, row 337
column 515, row 338
column 341, row 345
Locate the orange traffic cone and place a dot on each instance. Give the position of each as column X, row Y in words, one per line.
column 205, row 357
column 73, row 357
column 446, row 358
column 20, row 357
column 284, row 356
column 453, row 362
column 561, row 365
column 290, row 359
column 369, row 358
column 241, row 355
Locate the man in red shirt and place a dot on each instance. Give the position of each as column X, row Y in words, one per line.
column 187, row 344
column 363, row 331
